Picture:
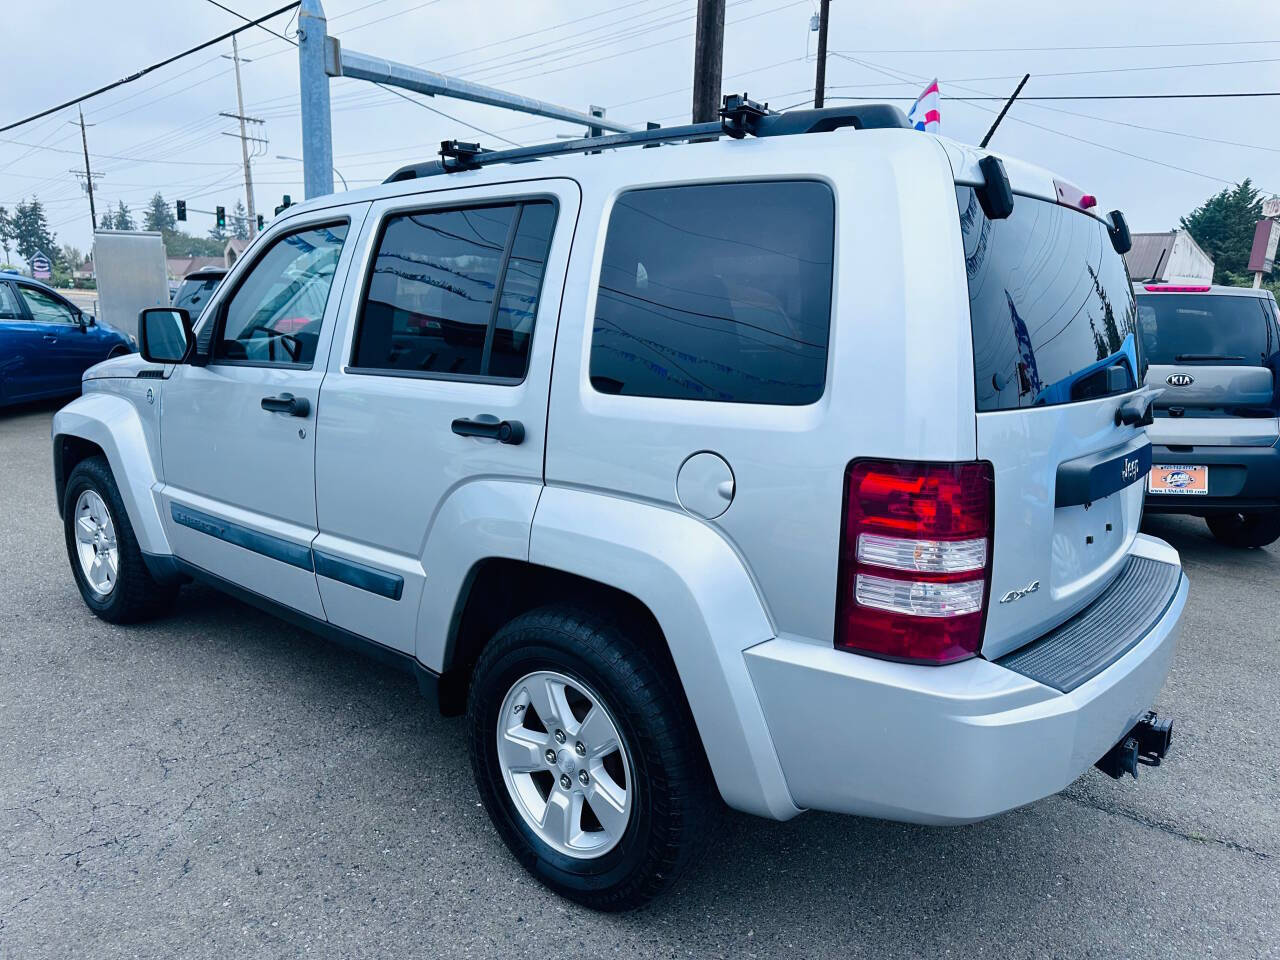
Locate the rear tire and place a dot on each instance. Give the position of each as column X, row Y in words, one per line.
column 1245, row 530
column 582, row 665
column 105, row 559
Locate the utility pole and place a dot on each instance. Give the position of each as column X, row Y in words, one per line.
column 708, row 59
column 88, row 174
column 820, row 79
column 244, row 141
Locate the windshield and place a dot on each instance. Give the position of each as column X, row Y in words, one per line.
column 1206, row 328
column 1050, row 304
column 194, row 293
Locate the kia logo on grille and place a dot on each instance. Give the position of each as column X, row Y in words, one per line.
column 1180, row 380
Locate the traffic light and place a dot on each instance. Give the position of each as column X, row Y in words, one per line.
column 261, row 221
column 221, row 215
column 182, row 209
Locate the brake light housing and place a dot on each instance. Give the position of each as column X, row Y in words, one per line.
column 915, row 560
column 1176, row 288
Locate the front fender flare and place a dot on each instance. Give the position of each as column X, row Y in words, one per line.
column 112, row 423
column 695, row 585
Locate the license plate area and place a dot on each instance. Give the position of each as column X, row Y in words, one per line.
column 1178, row 480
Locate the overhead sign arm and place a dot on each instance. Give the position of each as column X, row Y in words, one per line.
column 321, row 57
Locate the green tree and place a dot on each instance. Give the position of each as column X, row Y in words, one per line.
column 124, row 217
column 6, row 232
column 1223, row 227
column 31, row 231
column 185, row 245
column 158, row 216
column 240, row 222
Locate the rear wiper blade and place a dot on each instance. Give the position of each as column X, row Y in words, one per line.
column 1188, row 357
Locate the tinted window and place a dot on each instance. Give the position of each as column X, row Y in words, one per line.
column 44, row 308
column 275, row 315
column 717, row 292
column 1219, row 330
column 1050, row 303
column 455, row 292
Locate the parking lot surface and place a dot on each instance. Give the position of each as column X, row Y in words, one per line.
column 220, row 784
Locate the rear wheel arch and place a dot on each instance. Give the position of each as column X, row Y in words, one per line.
column 497, row 590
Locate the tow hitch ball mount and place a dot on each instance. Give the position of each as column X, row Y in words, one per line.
column 1146, row 744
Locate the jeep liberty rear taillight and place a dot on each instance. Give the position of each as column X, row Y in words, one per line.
column 915, row 560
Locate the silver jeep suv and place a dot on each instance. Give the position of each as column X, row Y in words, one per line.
column 799, row 466
column 1215, row 351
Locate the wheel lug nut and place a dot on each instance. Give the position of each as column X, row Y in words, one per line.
column 565, row 781
column 560, row 736
column 551, row 756
column 581, row 748
column 583, row 778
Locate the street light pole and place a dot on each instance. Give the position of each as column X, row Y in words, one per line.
column 281, row 156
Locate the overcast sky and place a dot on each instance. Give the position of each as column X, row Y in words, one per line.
column 163, row 132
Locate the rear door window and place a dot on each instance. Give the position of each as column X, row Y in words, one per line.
column 454, row 293
column 1181, row 328
column 717, row 292
column 1051, row 306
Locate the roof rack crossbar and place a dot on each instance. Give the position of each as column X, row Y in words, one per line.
column 738, row 117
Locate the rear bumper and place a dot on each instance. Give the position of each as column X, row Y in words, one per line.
column 1240, row 479
column 949, row 744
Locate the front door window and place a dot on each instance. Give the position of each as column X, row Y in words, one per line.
column 275, row 315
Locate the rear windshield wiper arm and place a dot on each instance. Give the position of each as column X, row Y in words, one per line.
column 1188, row 357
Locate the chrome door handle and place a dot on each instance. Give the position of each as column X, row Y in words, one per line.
column 287, row 403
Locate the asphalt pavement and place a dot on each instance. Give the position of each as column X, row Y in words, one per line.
column 221, row 784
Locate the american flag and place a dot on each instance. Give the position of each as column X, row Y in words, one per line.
column 924, row 113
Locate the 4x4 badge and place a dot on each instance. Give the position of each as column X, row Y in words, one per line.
column 1018, row 594
column 1180, row 380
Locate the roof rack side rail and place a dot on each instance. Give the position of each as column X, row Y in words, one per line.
column 739, row 116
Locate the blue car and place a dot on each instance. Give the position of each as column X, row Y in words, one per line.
column 47, row 342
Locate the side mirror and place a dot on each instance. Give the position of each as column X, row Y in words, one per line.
column 164, row 334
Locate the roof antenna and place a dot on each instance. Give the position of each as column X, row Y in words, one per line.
column 1155, row 274
column 1005, row 109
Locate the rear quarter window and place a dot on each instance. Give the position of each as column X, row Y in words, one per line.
column 717, row 292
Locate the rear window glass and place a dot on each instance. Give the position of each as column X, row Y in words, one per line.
column 717, row 292
column 1203, row 328
column 1051, row 306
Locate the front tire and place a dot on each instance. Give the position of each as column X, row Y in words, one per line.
column 586, row 758
column 105, row 559
column 1245, row 530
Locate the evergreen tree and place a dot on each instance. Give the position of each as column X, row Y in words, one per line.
column 158, row 216
column 6, row 232
column 240, row 222
column 124, row 218
column 1223, row 227
column 31, row 231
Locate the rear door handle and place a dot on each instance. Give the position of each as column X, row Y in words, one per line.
column 50, row 338
column 287, row 403
column 504, row 431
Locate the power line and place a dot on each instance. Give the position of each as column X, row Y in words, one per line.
column 1104, row 46
column 145, row 70
column 905, row 77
